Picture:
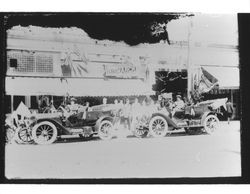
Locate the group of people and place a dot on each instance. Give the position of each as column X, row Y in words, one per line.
column 124, row 111
column 171, row 106
column 127, row 111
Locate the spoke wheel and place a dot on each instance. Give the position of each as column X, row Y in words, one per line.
column 105, row 130
column 139, row 129
column 24, row 135
column 44, row 133
column 211, row 123
column 158, row 126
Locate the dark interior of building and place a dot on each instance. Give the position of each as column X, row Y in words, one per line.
column 171, row 82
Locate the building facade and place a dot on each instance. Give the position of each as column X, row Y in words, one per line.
column 59, row 62
column 63, row 63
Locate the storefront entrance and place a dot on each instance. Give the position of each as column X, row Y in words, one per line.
column 171, row 82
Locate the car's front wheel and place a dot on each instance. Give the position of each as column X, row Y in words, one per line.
column 211, row 123
column 44, row 133
column 105, row 130
column 24, row 135
column 158, row 126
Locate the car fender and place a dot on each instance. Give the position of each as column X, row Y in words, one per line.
column 58, row 125
column 98, row 122
column 205, row 114
column 168, row 119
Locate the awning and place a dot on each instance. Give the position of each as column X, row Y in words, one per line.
column 29, row 86
column 110, row 87
column 229, row 77
column 24, row 86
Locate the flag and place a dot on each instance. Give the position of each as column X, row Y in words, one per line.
column 75, row 64
column 207, row 81
column 23, row 110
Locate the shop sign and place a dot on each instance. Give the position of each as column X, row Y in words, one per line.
column 121, row 71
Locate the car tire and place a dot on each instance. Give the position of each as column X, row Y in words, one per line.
column 105, row 130
column 24, row 135
column 210, row 124
column 139, row 131
column 158, row 126
column 44, row 133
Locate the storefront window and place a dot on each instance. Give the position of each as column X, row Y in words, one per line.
column 30, row 62
column 44, row 64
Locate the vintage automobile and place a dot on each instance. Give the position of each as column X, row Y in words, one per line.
column 202, row 116
column 18, row 130
column 101, row 120
column 47, row 128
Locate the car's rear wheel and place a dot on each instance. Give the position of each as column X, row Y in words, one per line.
column 211, row 123
column 139, row 129
column 158, row 126
column 105, row 130
column 44, row 133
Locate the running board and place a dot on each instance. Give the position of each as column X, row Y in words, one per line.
column 70, row 136
column 73, row 136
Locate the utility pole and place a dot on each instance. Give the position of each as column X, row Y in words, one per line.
column 189, row 62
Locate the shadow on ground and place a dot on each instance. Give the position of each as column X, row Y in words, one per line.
column 96, row 138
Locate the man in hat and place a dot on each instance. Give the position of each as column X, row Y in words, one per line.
column 178, row 104
column 104, row 101
column 126, row 114
column 73, row 106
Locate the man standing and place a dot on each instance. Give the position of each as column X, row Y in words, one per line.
column 116, row 111
column 230, row 111
column 126, row 113
column 135, row 110
column 104, row 101
column 86, row 109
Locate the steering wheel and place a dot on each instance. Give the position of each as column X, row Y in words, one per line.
column 64, row 111
column 61, row 110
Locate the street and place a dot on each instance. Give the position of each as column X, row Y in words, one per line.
column 177, row 155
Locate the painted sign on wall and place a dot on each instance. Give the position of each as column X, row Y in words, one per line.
column 120, row 70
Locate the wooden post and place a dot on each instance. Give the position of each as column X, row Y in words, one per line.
column 231, row 91
column 12, row 103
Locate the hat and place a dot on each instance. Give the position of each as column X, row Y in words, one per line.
column 178, row 96
column 72, row 99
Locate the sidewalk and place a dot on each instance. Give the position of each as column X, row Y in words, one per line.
column 233, row 125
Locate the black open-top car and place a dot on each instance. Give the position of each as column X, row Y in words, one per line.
column 203, row 115
column 46, row 128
